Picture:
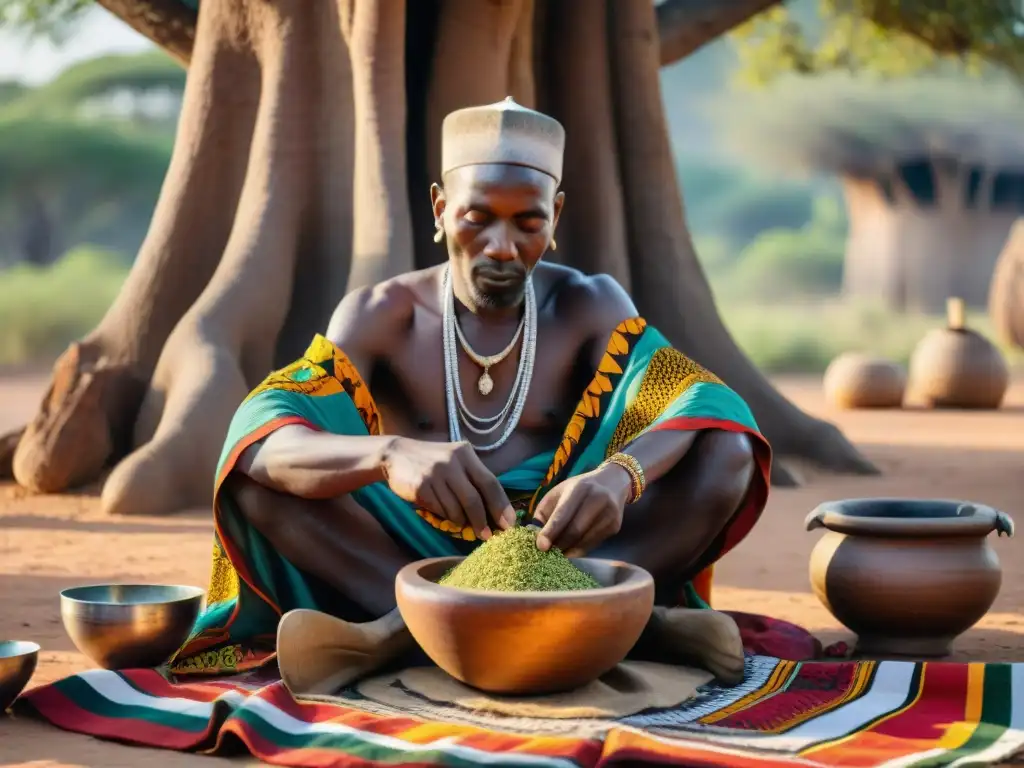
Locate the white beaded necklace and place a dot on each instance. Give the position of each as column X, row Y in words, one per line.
column 458, row 413
column 485, row 383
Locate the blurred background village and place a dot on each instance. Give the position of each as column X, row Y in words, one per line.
column 810, row 253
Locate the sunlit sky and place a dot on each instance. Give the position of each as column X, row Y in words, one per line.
column 37, row 60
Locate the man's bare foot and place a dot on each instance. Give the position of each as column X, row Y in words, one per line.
column 693, row 636
column 319, row 654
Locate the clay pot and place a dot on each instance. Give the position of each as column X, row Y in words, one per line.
column 521, row 643
column 906, row 575
column 855, row 380
column 955, row 367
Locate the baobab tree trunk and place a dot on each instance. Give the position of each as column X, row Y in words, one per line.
column 913, row 254
column 307, row 140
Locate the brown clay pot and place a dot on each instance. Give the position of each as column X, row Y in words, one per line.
column 520, row 643
column 906, row 575
column 956, row 367
column 855, row 380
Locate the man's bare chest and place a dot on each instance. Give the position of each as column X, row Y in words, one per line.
column 409, row 386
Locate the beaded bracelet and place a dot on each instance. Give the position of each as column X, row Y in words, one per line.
column 636, row 473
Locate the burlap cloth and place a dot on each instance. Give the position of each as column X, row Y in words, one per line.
column 319, row 656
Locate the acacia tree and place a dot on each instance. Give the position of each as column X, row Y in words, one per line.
column 55, row 174
column 307, row 141
column 931, row 170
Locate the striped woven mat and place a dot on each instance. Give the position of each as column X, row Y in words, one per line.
column 821, row 713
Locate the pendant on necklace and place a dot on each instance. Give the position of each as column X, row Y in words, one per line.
column 485, row 384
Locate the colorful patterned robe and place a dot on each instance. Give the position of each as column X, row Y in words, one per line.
column 642, row 384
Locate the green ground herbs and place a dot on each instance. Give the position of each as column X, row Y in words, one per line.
column 510, row 562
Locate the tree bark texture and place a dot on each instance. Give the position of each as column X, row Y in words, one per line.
column 168, row 23
column 307, row 142
column 686, row 25
column 914, row 256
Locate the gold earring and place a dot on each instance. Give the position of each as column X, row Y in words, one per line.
column 439, row 232
column 554, row 245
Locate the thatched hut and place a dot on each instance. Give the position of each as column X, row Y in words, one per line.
column 932, row 171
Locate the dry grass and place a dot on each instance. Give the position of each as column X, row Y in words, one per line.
column 803, row 338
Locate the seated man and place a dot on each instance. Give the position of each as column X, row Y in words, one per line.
column 452, row 402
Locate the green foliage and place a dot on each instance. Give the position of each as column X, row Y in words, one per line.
column 783, row 263
column 96, row 77
column 97, row 183
column 95, row 180
column 53, row 18
column 850, row 124
column 57, row 153
column 891, row 38
column 786, row 263
column 10, row 90
column 804, row 337
column 42, row 310
column 732, row 204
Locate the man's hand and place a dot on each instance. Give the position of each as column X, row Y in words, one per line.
column 583, row 511
column 449, row 480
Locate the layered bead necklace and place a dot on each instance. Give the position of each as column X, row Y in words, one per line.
column 459, row 414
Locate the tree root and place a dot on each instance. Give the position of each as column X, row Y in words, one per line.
column 8, row 444
column 85, row 418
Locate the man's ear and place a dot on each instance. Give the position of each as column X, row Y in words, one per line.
column 437, row 201
column 559, row 202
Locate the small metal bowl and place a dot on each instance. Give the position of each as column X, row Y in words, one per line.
column 129, row 626
column 17, row 663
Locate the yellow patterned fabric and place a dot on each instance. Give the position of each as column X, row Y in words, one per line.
column 223, row 578
column 620, row 344
column 669, row 374
column 325, row 370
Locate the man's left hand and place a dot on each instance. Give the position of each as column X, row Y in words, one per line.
column 580, row 513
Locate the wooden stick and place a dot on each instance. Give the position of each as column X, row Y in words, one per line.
column 955, row 313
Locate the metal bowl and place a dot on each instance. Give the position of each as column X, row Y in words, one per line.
column 521, row 643
column 129, row 626
column 17, row 663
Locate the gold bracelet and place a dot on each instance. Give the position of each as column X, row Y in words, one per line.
column 636, row 473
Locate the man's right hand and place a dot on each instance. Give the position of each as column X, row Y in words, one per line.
column 449, row 480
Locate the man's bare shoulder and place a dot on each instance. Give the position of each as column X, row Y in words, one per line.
column 596, row 303
column 368, row 319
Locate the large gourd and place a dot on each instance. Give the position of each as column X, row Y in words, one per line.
column 956, row 367
column 856, row 380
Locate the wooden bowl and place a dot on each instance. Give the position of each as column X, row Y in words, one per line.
column 520, row 643
column 906, row 575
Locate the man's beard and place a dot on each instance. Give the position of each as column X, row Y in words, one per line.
column 505, row 299
column 491, row 296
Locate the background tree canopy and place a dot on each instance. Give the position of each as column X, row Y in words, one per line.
column 883, row 37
